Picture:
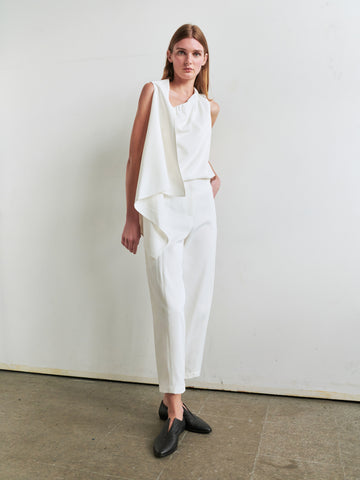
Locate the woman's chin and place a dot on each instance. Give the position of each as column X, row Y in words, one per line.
column 186, row 75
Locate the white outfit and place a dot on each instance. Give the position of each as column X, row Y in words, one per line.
column 178, row 221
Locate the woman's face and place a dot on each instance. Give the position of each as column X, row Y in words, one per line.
column 187, row 58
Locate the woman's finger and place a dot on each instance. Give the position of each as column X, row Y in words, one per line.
column 130, row 244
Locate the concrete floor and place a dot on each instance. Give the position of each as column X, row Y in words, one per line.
column 54, row 428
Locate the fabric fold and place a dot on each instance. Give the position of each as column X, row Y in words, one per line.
column 160, row 179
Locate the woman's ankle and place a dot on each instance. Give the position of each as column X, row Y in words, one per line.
column 172, row 399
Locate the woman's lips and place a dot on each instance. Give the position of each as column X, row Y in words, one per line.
column 188, row 69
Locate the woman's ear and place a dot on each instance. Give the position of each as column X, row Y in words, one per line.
column 205, row 59
column 168, row 54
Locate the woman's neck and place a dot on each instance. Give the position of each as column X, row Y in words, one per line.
column 182, row 88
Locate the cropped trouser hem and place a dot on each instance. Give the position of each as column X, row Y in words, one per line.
column 178, row 388
column 192, row 375
column 171, row 389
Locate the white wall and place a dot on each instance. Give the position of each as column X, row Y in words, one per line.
column 286, row 308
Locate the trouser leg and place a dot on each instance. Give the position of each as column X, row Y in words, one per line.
column 168, row 299
column 181, row 286
column 199, row 273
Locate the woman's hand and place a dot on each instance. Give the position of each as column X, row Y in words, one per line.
column 131, row 234
column 215, row 183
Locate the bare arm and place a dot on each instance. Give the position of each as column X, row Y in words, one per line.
column 215, row 181
column 131, row 233
column 215, row 109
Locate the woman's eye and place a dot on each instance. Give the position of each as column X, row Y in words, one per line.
column 182, row 52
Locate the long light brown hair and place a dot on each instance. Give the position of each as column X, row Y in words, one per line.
column 190, row 31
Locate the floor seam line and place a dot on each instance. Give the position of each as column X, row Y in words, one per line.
column 339, row 446
column 259, row 446
column 106, row 435
column 300, row 459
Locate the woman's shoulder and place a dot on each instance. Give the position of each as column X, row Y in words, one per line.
column 214, row 107
column 146, row 96
column 214, row 110
column 157, row 83
column 149, row 87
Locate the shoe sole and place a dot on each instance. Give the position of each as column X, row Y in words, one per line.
column 196, row 431
column 161, row 455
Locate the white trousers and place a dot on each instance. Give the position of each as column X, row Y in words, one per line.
column 181, row 282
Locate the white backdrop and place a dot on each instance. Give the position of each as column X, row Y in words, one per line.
column 286, row 145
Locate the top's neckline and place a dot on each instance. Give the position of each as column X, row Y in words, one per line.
column 180, row 104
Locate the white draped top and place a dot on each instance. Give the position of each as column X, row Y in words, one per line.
column 176, row 149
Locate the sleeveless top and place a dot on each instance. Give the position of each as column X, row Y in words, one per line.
column 176, row 149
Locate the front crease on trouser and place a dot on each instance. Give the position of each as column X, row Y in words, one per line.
column 181, row 282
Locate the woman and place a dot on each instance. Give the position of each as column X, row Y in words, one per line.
column 170, row 190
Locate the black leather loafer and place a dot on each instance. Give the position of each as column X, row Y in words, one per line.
column 167, row 440
column 193, row 422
